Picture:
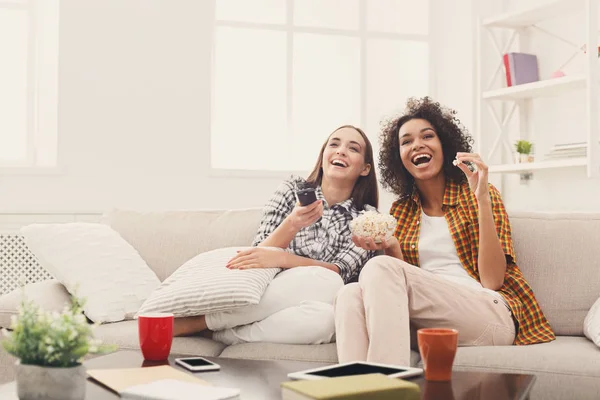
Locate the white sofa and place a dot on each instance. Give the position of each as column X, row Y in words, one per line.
column 559, row 255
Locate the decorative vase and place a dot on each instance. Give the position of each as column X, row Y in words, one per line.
column 50, row 383
column 524, row 158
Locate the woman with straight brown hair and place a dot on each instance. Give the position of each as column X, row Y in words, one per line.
column 311, row 243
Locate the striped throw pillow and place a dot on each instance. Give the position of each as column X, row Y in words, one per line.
column 203, row 285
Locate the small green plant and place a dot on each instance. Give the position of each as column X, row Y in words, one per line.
column 524, row 147
column 51, row 339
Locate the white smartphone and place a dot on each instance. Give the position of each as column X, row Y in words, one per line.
column 196, row 364
column 355, row 368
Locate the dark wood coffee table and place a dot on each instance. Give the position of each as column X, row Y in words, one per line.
column 261, row 379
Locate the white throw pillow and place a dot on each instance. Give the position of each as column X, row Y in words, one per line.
column 96, row 263
column 591, row 324
column 203, row 285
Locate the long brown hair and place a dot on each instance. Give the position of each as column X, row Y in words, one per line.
column 365, row 189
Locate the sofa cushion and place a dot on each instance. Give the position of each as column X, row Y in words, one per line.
column 276, row 351
column 569, row 355
column 166, row 240
column 326, row 353
column 591, row 324
column 125, row 335
column 558, row 255
column 567, row 368
column 49, row 295
column 96, row 263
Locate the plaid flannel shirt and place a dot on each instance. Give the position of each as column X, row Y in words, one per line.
column 328, row 240
column 461, row 212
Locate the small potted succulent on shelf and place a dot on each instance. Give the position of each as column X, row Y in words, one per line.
column 524, row 151
column 50, row 348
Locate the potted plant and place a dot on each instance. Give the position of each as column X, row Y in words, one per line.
column 50, row 348
column 524, row 150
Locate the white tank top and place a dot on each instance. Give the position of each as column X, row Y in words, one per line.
column 438, row 255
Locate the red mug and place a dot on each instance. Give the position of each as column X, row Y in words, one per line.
column 437, row 348
column 156, row 335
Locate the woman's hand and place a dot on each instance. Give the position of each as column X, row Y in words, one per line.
column 478, row 179
column 257, row 257
column 303, row 216
column 368, row 243
column 390, row 246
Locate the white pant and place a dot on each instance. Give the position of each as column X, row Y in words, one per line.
column 296, row 308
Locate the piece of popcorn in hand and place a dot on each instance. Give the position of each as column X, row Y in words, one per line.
column 372, row 224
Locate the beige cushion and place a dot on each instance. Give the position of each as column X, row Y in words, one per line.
column 50, row 295
column 558, row 254
column 166, row 240
column 567, row 368
column 571, row 355
column 274, row 351
column 125, row 335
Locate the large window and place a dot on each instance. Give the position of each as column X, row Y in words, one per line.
column 286, row 73
column 28, row 82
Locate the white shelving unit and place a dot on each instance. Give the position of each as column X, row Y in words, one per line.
column 536, row 166
column 520, row 96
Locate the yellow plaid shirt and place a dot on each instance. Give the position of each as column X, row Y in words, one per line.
column 461, row 212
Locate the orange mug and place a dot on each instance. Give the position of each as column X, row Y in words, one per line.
column 437, row 348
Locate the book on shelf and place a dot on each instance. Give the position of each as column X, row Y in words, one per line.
column 353, row 387
column 159, row 383
column 567, row 150
column 565, row 146
column 555, row 155
column 520, row 68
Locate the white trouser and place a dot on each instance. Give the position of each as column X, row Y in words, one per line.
column 296, row 308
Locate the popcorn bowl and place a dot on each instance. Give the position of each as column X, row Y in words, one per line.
column 371, row 224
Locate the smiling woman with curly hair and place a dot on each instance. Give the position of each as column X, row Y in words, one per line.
column 451, row 261
column 452, row 134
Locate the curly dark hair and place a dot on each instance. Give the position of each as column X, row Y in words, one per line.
column 452, row 134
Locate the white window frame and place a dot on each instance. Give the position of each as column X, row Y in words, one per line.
column 35, row 103
column 290, row 29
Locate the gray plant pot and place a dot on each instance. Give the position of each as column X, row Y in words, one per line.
column 50, row 383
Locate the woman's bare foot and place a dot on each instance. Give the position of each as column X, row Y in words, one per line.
column 189, row 325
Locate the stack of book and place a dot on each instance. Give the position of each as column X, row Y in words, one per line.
column 520, row 68
column 567, row 150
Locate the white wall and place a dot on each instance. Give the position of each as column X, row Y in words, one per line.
column 134, row 105
column 452, row 34
column 133, row 114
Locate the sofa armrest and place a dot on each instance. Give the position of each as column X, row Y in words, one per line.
column 50, row 295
